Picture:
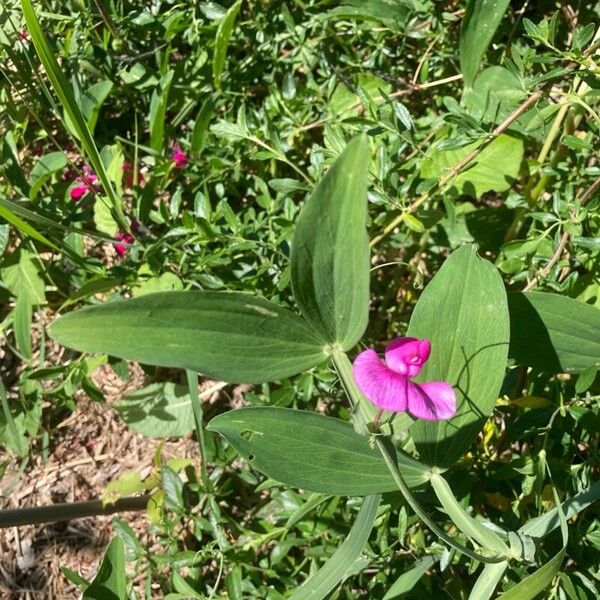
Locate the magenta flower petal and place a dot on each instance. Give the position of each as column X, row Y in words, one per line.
column 407, row 355
column 179, row 157
column 78, row 192
column 432, row 401
column 382, row 386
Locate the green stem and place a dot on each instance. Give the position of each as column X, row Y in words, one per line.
column 387, row 450
column 192, row 381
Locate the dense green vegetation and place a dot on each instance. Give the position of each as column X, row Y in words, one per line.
column 272, row 149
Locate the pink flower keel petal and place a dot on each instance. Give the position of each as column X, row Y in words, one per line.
column 407, row 355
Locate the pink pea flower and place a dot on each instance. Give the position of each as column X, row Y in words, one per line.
column 85, row 184
column 128, row 175
column 121, row 249
column 179, row 157
column 388, row 384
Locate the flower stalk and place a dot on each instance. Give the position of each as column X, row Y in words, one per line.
column 344, row 369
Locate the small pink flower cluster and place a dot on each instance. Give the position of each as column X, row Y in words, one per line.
column 85, row 184
column 128, row 177
column 126, row 238
column 179, row 157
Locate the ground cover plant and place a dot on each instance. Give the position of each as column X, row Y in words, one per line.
column 382, row 218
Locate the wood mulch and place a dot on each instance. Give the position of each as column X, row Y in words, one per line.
column 92, row 447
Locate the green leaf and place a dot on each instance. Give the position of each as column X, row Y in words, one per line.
column 4, row 233
column 370, row 10
column 158, row 110
column 407, row 581
column 167, row 282
column 173, row 488
column 586, row 379
column 553, row 333
column 330, row 250
column 103, row 219
column 487, row 581
column 495, row 94
column 334, row 570
column 92, row 100
column 232, row 337
column 476, row 32
column 44, row 168
column 110, row 582
column 20, row 275
column 532, row 585
column 160, row 409
column 132, row 545
column 464, row 313
column 201, row 124
column 184, row 588
column 310, row 451
column 127, row 484
column 495, row 168
column 222, row 42
column 541, row 526
column 22, row 325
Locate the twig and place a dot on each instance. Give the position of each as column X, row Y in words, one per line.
column 406, row 92
column 460, row 165
column 543, row 273
column 69, row 510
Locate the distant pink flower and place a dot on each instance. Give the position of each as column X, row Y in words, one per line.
column 121, row 249
column 179, row 157
column 24, row 35
column 85, row 184
column 128, row 175
column 388, row 385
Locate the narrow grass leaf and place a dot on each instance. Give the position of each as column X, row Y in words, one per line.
column 407, row 581
column 333, row 571
column 158, row 111
column 222, row 38
column 487, row 581
column 203, row 118
column 22, row 325
column 67, row 99
column 24, row 227
column 544, row 524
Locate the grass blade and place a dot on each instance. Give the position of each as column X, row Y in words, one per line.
column 487, row 581
column 222, row 42
column 67, row 99
column 333, row 571
column 24, row 227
